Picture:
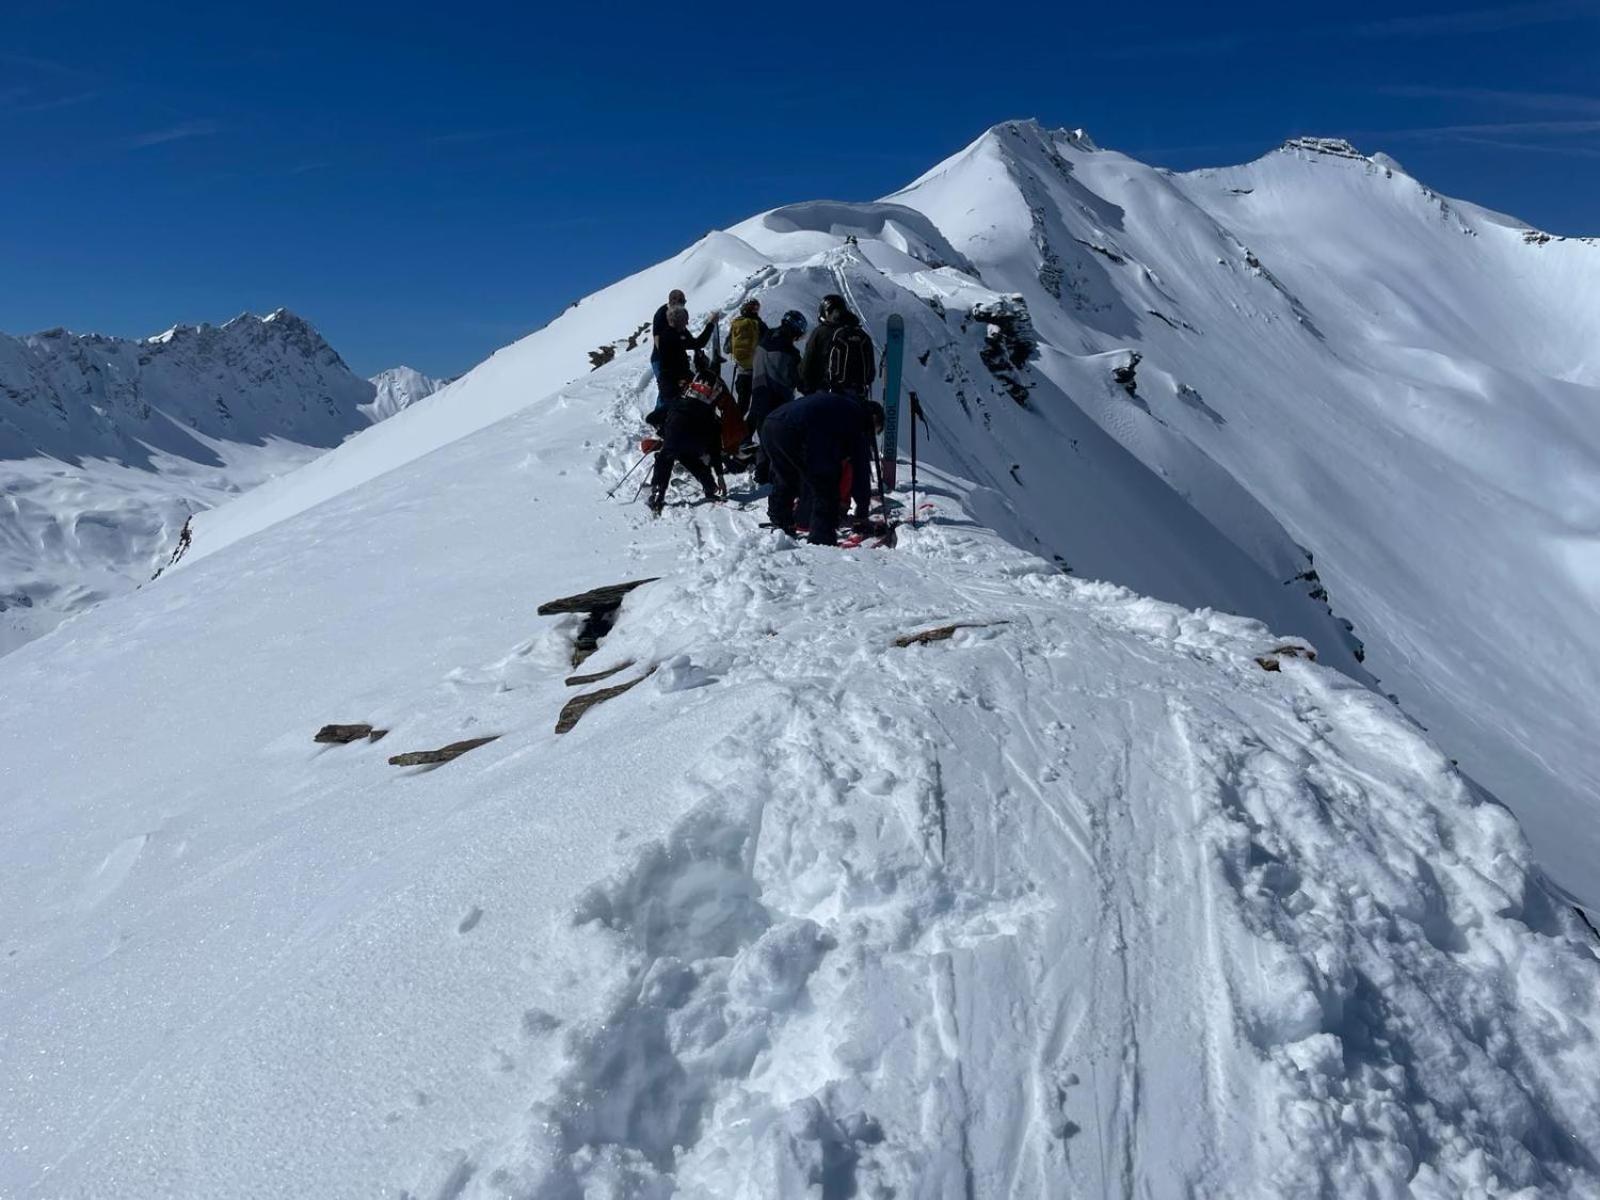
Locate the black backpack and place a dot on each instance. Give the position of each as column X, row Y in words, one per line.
column 849, row 366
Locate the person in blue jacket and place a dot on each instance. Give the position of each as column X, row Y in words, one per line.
column 808, row 442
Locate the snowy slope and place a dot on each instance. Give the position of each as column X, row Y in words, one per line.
column 1391, row 414
column 1080, row 901
column 398, row 388
column 1407, row 383
column 108, row 445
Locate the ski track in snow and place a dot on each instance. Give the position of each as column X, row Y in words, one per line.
column 827, row 975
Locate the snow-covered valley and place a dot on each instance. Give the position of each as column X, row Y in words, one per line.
column 1082, row 899
column 109, row 445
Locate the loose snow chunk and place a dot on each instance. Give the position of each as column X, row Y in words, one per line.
column 771, row 973
column 680, row 674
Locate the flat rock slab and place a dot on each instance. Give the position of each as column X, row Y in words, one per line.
column 580, row 680
column 341, row 735
column 596, row 599
column 423, row 758
column 941, row 634
column 578, row 705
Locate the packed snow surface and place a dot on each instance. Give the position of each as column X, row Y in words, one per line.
column 1081, row 899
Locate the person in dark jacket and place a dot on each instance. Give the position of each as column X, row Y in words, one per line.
column 775, row 374
column 674, row 365
column 839, row 355
column 808, row 442
column 658, row 326
column 774, row 377
column 691, row 435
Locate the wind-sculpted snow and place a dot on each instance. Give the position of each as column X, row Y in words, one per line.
column 1080, row 900
column 903, row 229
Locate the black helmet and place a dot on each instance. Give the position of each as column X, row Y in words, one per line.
column 796, row 321
column 875, row 415
column 832, row 305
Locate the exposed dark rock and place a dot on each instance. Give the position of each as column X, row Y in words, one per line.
column 942, row 633
column 595, row 626
column 341, row 735
column 1104, row 251
column 1269, row 660
column 574, row 709
column 1009, row 342
column 1127, row 375
column 609, row 596
column 599, row 358
column 185, row 540
column 580, row 680
column 424, row 758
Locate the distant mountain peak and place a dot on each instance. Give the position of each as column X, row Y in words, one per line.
column 1077, row 137
column 399, row 388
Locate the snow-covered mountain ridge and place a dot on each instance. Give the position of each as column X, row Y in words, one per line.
column 1334, row 361
column 108, row 445
column 399, row 388
column 77, row 396
column 1081, row 899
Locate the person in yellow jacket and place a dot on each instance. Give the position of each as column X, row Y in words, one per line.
column 744, row 334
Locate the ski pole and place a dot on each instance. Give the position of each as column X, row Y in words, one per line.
column 631, row 470
column 916, row 413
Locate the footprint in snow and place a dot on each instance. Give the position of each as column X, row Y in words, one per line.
column 470, row 921
column 536, row 1022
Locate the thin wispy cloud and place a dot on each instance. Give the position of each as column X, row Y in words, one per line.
column 1451, row 24
column 55, row 102
column 47, row 65
column 1480, row 20
column 1557, row 128
column 467, row 137
column 1534, row 147
column 1538, row 101
column 172, row 133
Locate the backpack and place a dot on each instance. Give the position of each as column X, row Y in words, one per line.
column 849, row 366
column 744, row 334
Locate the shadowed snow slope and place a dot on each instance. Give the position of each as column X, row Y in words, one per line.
column 1079, row 901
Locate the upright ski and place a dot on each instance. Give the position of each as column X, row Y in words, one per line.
column 893, row 353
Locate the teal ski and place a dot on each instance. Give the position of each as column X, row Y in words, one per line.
column 893, row 353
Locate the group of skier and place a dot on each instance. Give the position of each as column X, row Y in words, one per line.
column 804, row 421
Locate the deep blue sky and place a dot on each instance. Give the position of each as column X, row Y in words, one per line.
column 426, row 182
